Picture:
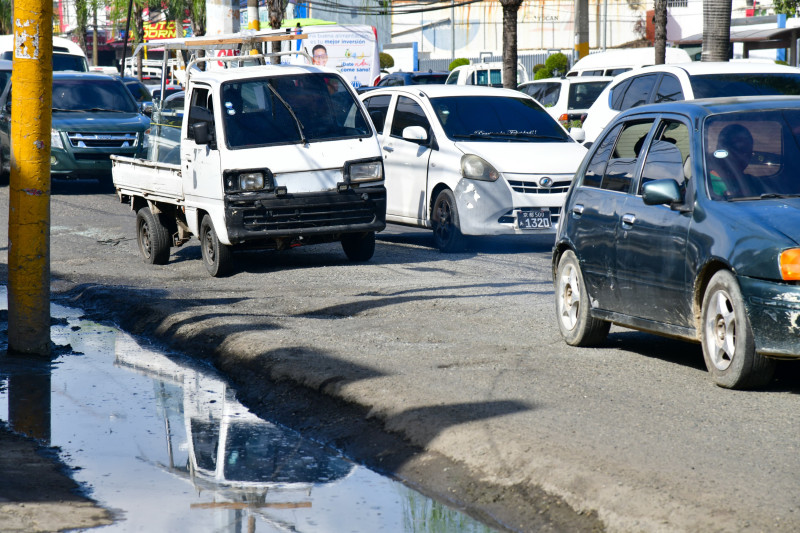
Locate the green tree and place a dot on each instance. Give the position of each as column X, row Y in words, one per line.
column 6, row 8
column 386, row 60
column 555, row 65
column 457, row 62
column 785, row 7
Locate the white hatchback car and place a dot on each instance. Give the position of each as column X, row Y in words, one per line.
column 688, row 81
column 471, row 160
column 567, row 99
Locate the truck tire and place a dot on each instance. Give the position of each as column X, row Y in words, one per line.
column 217, row 257
column 359, row 247
column 152, row 236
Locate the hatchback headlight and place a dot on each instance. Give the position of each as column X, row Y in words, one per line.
column 477, row 168
column 790, row 264
column 55, row 139
column 363, row 171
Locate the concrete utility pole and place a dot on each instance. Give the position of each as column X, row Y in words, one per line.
column 253, row 20
column 222, row 17
column 29, row 187
column 581, row 28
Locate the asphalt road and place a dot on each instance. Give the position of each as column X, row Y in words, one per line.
column 461, row 356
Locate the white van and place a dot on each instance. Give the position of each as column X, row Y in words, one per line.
column 67, row 55
column 617, row 61
column 490, row 74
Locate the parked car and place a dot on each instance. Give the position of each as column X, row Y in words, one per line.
column 615, row 62
column 567, row 99
column 67, row 55
column 490, row 73
column 684, row 220
column 471, row 160
column 407, row 78
column 140, row 92
column 688, row 81
column 94, row 116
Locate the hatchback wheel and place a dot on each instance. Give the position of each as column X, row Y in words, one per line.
column 728, row 346
column 446, row 227
column 577, row 325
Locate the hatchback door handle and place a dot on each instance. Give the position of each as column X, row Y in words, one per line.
column 577, row 209
column 388, row 149
column 629, row 219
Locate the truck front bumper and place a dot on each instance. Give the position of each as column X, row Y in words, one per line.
column 319, row 216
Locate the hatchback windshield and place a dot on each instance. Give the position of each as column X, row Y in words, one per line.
column 498, row 119
column 92, row 95
column 290, row 109
column 753, row 155
column 583, row 95
column 718, row 85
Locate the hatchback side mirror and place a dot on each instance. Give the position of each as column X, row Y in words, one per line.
column 415, row 133
column 665, row 191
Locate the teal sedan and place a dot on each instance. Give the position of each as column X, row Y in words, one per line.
column 94, row 116
column 684, row 220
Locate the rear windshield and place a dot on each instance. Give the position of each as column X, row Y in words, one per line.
column 496, row 119
column 745, row 84
column 290, row 109
column 92, row 95
column 60, row 61
column 583, row 95
column 429, row 79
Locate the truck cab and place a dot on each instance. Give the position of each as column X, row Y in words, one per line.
column 267, row 156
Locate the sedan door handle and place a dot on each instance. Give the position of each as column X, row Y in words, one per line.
column 628, row 219
column 577, row 209
column 388, row 149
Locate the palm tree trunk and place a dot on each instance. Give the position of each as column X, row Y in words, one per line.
column 716, row 30
column 660, row 36
column 510, row 8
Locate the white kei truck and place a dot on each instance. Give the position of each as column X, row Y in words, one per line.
column 263, row 156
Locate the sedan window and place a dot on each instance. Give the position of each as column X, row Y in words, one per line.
column 597, row 165
column 583, row 95
column 378, row 108
column 549, row 95
column 668, row 156
column 497, row 119
column 669, row 90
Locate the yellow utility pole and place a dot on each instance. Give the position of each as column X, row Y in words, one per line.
column 29, row 189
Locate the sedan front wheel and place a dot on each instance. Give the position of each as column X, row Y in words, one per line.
column 576, row 323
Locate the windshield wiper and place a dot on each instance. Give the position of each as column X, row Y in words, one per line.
column 765, row 196
column 98, row 109
column 61, row 110
column 300, row 126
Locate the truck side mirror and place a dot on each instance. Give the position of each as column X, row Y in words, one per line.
column 203, row 135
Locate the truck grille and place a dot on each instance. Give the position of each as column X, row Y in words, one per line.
column 307, row 216
column 102, row 140
column 531, row 187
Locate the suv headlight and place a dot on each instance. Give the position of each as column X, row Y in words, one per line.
column 477, row 168
column 363, row 171
column 55, row 139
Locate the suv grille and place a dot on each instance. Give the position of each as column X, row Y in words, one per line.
column 102, row 140
column 531, row 187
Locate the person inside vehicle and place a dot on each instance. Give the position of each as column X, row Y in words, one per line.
column 728, row 162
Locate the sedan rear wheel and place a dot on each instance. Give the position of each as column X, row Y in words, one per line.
column 577, row 325
column 727, row 337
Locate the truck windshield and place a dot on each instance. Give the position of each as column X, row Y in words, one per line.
column 79, row 94
column 323, row 109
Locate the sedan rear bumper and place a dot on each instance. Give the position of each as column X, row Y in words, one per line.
column 774, row 311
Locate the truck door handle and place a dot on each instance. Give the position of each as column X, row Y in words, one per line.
column 388, row 149
column 628, row 219
column 577, row 209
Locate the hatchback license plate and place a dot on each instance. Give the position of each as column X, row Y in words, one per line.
column 538, row 219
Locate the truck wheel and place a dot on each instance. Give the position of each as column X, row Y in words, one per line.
column 153, row 237
column 446, row 226
column 359, row 247
column 217, row 257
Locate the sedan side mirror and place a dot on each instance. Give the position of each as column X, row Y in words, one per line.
column 662, row 192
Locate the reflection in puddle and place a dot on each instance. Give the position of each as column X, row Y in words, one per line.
column 164, row 443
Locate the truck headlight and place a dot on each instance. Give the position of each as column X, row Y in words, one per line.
column 251, row 181
column 477, row 168
column 363, row 171
column 55, row 139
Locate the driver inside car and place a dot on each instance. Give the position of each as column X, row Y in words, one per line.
column 728, row 162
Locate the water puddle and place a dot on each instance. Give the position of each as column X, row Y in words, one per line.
column 164, row 443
